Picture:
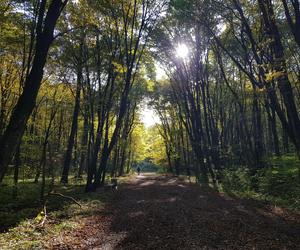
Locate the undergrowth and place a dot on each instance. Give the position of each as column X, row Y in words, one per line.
column 20, row 216
column 277, row 183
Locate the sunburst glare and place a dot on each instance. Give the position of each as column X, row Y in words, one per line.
column 182, row 51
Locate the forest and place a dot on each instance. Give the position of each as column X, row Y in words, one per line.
column 149, row 124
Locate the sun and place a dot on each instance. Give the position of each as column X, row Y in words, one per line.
column 182, row 50
column 149, row 118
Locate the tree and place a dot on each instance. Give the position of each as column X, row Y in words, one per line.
column 44, row 28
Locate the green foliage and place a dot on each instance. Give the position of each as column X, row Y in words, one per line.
column 277, row 183
column 237, row 179
column 14, row 210
column 281, row 180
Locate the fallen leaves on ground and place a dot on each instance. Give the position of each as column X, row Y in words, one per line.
column 163, row 212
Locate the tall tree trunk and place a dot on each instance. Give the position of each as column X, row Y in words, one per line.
column 294, row 23
column 27, row 100
column 279, row 66
column 271, row 116
column 258, row 135
column 71, row 141
column 43, row 169
column 84, row 142
column 16, row 170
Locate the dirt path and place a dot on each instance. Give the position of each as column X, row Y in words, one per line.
column 156, row 212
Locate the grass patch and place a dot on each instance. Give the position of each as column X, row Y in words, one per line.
column 19, row 216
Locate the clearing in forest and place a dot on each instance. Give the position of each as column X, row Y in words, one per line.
column 163, row 212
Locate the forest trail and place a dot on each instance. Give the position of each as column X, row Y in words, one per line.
column 162, row 212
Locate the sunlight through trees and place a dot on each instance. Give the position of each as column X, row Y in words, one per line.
column 206, row 90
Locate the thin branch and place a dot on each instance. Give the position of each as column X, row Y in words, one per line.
column 66, row 197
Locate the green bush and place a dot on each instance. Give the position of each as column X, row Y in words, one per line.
column 278, row 182
column 236, row 180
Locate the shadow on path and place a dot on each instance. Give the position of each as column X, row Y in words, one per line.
column 157, row 212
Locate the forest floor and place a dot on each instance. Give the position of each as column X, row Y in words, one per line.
column 163, row 212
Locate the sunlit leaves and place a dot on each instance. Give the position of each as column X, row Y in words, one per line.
column 272, row 76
